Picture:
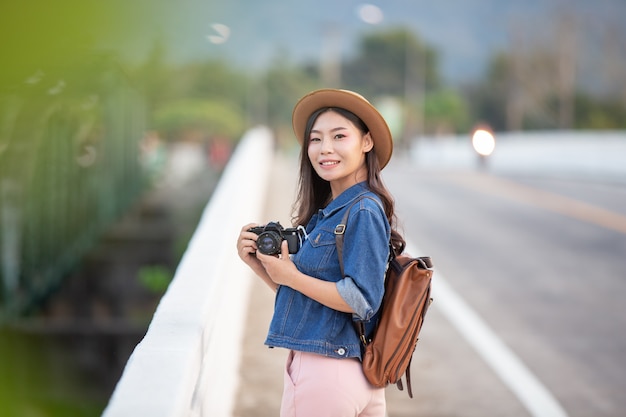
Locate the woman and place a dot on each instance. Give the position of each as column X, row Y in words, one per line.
column 345, row 144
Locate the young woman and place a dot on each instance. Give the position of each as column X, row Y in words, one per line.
column 345, row 144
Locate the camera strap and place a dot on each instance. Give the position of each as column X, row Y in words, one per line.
column 304, row 233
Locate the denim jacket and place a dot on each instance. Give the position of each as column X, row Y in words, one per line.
column 301, row 323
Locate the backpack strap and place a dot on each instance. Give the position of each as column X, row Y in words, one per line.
column 340, row 230
column 407, row 374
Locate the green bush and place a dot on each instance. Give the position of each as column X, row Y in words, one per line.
column 207, row 117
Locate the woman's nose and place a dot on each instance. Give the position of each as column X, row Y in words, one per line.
column 327, row 145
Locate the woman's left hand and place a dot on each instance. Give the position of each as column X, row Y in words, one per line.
column 280, row 268
column 283, row 271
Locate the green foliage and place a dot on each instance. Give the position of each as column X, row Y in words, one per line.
column 54, row 37
column 486, row 105
column 285, row 86
column 155, row 278
column 200, row 118
column 523, row 90
column 488, row 96
column 39, row 377
column 153, row 79
column 396, row 63
column 201, row 99
column 592, row 113
column 446, row 111
column 212, row 79
column 390, row 62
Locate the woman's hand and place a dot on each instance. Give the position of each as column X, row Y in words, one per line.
column 280, row 268
column 282, row 271
column 247, row 249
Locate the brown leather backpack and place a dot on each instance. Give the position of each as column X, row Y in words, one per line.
column 387, row 354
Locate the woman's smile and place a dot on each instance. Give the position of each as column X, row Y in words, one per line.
column 329, row 164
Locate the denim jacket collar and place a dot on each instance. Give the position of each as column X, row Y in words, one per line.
column 345, row 198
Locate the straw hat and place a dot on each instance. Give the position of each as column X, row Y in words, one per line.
column 353, row 102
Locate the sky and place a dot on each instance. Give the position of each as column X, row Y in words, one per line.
column 465, row 32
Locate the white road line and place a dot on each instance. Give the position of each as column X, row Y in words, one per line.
column 503, row 361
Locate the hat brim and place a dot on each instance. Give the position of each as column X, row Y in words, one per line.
column 353, row 102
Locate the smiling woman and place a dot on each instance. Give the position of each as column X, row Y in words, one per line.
column 345, row 142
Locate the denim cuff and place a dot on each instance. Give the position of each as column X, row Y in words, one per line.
column 351, row 294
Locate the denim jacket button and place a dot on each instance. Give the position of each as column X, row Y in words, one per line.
column 341, row 351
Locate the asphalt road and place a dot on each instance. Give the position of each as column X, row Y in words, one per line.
column 541, row 262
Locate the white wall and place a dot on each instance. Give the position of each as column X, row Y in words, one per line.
column 187, row 364
column 599, row 155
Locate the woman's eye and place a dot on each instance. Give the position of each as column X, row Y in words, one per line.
column 314, row 139
column 340, row 136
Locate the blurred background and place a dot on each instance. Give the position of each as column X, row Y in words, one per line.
column 117, row 118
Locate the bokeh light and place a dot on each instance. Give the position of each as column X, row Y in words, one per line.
column 370, row 13
column 484, row 142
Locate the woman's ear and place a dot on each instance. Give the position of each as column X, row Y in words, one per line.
column 368, row 143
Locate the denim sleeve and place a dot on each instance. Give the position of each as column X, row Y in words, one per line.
column 365, row 254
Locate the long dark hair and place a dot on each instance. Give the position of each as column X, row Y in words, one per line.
column 314, row 193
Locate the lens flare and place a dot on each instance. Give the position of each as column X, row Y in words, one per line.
column 483, row 141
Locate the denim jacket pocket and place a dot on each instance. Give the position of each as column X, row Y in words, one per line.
column 321, row 259
column 322, row 236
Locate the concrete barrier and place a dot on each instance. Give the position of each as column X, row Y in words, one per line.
column 585, row 155
column 187, row 363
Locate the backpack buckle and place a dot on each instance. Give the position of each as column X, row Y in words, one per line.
column 340, row 229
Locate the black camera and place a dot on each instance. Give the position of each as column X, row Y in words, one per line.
column 272, row 234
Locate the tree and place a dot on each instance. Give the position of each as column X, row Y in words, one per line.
column 488, row 97
column 197, row 119
column 445, row 112
column 152, row 79
column 395, row 63
column 533, row 81
column 392, row 62
column 278, row 89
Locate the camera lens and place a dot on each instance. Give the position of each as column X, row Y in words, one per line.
column 269, row 243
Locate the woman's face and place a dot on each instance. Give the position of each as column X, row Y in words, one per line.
column 337, row 151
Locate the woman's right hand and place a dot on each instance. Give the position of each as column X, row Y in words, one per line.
column 246, row 247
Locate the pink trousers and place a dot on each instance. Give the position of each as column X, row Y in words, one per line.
column 319, row 386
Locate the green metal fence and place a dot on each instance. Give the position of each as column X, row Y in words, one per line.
column 69, row 166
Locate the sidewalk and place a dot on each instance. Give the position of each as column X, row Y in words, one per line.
column 448, row 377
column 261, row 373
